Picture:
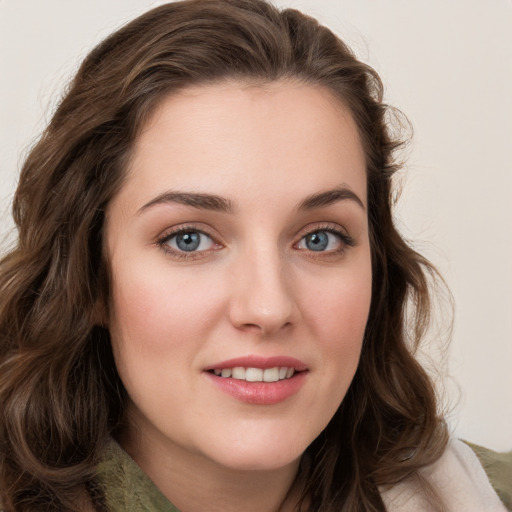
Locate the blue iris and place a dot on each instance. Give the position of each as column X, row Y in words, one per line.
column 188, row 241
column 317, row 241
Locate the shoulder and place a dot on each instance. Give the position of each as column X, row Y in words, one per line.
column 457, row 478
column 461, row 480
column 498, row 467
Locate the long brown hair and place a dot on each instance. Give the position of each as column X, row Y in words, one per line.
column 60, row 395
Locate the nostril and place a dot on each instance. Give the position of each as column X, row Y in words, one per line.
column 262, row 302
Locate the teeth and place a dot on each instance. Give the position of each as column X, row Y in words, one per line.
column 238, row 373
column 256, row 374
column 271, row 375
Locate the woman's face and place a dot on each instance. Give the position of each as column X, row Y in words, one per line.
column 241, row 275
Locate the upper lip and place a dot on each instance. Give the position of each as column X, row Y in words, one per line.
column 254, row 361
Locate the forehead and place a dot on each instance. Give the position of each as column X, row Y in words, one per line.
column 293, row 135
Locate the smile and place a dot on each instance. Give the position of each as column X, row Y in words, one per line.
column 258, row 380
column 256, row 374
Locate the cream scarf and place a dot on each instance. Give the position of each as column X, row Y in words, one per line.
column 459, row 480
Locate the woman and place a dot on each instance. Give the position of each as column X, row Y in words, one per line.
column 206, row 304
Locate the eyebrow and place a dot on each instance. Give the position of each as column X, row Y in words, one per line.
column 221, row 204
column 329, row 197
column 194, row 199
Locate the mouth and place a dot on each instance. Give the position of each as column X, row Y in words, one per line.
column 252, row 374
column 259, row 380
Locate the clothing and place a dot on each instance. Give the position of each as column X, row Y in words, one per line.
column 459, row 480
column 498, row 467
column 126, row 486
column 457, row 476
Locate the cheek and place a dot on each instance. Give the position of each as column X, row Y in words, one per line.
column 340, row 305
column 160, row 302
column 337, row 315
column 158, row 321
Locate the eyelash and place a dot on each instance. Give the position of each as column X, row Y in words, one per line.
column 162, row 242
column 346, row 241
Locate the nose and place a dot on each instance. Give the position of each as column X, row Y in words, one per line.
column 262, row 297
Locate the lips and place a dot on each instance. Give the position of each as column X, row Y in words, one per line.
column 258, row 380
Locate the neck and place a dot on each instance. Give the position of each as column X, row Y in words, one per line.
column 194, row 483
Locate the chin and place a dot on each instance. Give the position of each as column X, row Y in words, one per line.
column 257, row 455
column 256, row 462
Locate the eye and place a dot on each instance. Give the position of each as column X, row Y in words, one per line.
column 325, row 240
column 188, row 241
column 320, row 241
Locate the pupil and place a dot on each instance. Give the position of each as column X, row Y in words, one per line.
column 317, row 241
column 188, row 241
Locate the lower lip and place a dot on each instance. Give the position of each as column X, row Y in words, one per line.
column 259, row 393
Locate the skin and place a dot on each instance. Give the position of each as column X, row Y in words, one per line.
column 253, row 287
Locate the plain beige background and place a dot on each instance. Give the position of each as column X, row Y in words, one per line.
column 447, row 65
